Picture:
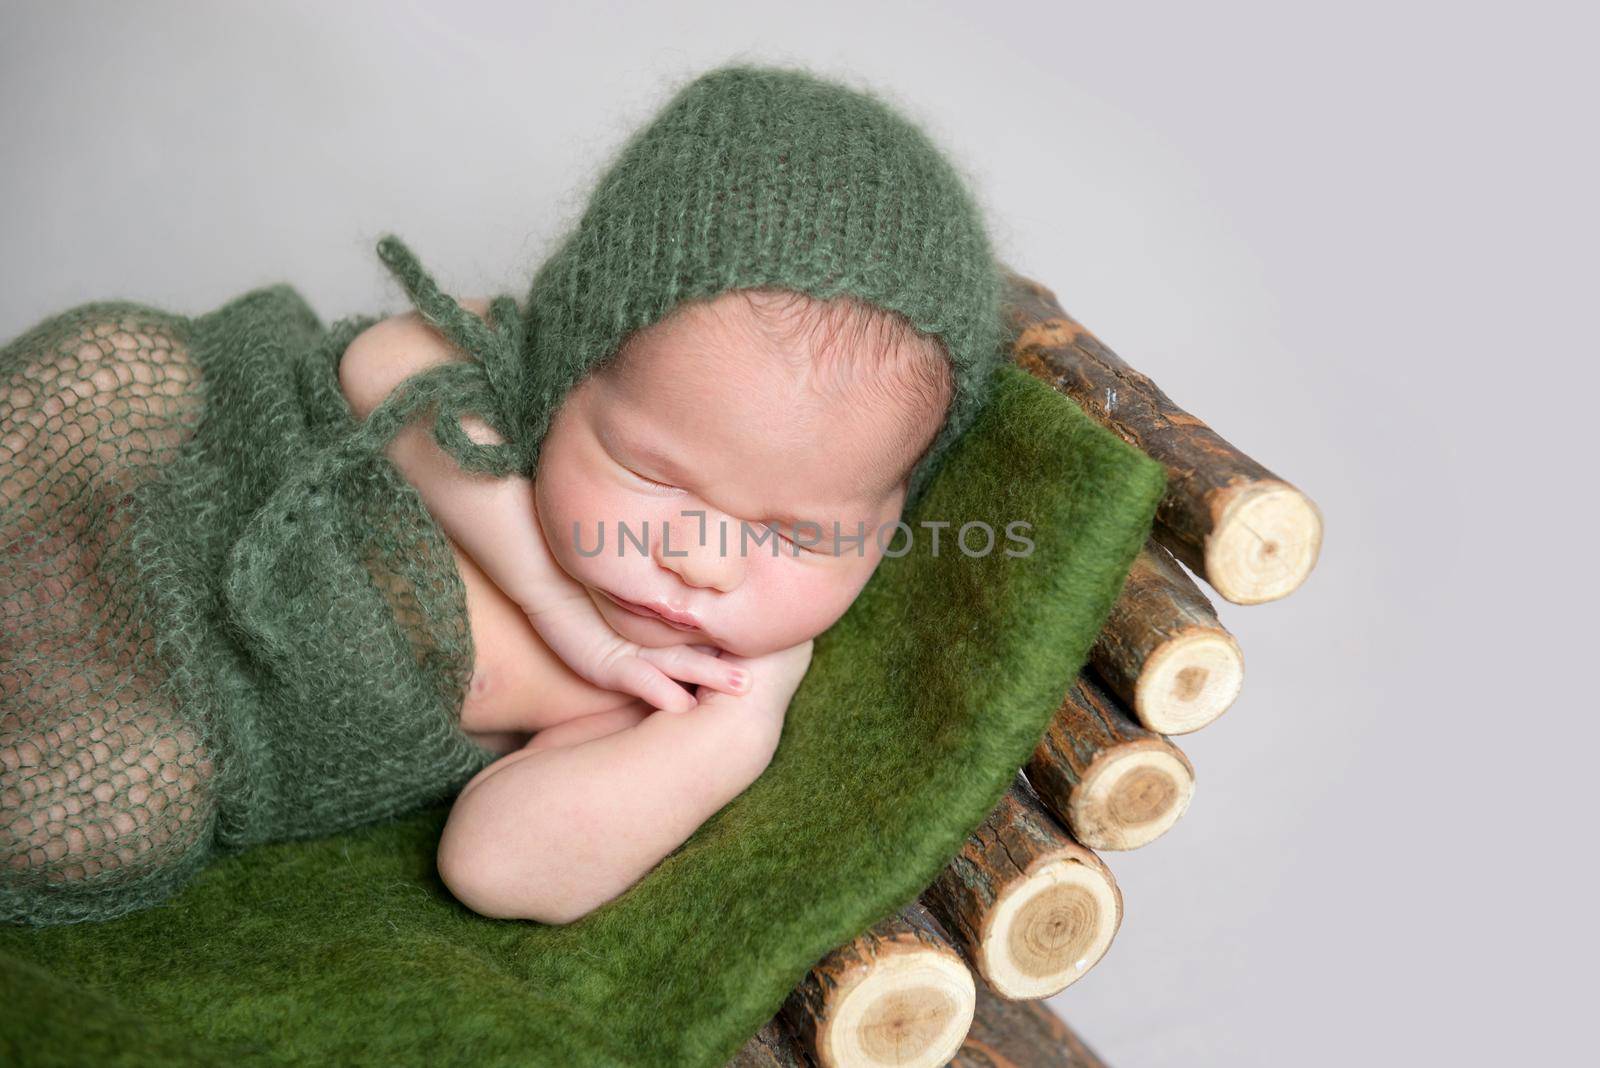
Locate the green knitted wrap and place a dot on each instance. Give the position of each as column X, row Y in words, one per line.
column 226, row 619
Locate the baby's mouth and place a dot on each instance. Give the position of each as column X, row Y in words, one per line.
column 650, row 613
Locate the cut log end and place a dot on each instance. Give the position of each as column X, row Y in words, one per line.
column 1189, row 681
column 912, row 1010
column 1131, row 795
column 1057, row 924
column 1032, row 909
column 1264, row 543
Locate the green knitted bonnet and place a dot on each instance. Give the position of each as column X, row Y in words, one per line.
column 749, row 176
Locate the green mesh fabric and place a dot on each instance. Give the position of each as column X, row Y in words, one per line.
column 225, row 618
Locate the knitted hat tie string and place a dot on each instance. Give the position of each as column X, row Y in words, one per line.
column 488, row 384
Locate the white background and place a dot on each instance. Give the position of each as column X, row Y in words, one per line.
column 1358, row 239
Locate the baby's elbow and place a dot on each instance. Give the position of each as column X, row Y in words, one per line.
column 469, row 880
column 489, row 887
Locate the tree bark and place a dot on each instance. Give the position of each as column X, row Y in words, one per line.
column 1252, row 536
column 1114, row 784
column 774, row 1046
column 1021, row 1034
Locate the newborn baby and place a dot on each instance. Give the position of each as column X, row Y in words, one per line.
column 728, row 439
column 659, row 476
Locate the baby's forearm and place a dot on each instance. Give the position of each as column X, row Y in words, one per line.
column 492, row 519
column 556, row 832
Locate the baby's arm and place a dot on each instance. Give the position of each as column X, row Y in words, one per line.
column 550, row 833
column 495, row 523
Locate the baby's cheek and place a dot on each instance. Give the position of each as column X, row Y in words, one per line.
column 574, row 520
column 805, row 601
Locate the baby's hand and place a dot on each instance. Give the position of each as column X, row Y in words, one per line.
column 575, row 631
column 515, row 556
column 778, row 674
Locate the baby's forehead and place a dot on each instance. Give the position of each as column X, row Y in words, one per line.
column 728, row 403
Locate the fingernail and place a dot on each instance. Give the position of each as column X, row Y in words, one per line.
column 740, row 679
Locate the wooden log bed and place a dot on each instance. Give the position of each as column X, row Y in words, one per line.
column 1027, row 907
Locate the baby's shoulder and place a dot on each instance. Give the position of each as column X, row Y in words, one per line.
column 410, row 332
column 389, row 351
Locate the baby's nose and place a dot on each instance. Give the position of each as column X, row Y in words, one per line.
column 692, row 546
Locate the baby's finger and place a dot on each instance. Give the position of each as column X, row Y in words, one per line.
column 682, row 662
column 643, row 679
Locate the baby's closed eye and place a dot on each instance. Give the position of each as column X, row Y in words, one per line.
column 810, row 539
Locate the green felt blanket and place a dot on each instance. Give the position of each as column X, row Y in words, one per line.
column 920, row 704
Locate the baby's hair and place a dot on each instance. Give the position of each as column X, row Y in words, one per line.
column 862, row 352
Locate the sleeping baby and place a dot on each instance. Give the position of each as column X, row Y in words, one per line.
column 758, row 414
column 757, row 435
column 658, row 478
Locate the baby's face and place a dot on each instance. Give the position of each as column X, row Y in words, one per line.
column 708, row 413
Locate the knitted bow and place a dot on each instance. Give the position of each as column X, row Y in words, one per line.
column 490, row 384
column 307, row 525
